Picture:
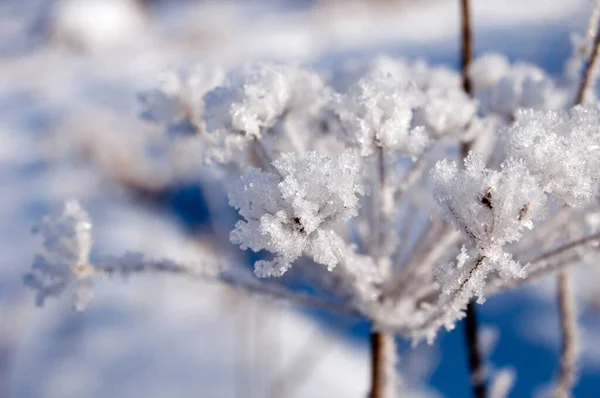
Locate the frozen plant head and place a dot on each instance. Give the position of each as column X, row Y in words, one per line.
column 178, row 101
column 503, row 88
column 254, row 99
column 63, row 262
column 377, row 112
column 491, row 207
column 289, row 211
column 446, row 112
column 561, row 149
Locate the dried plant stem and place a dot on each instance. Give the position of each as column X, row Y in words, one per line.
column 475, row 364
column 568, row 326
column 548, row 231
column 383, row 346
column 589, row 70
column 566, row 300
column 237, row 283
column 413, row 175
column 466, row 44
column 421, row 262
column 471, row 332
column 383, row 365
column 563, row 248
column 378, row 216
column 539, row 268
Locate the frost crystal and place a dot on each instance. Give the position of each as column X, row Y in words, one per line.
column 293, row 210
column 446, row 112
column 378, row 112
column 64, row 260
column 178, row 102
column 255, row 99
column 502, row 88
column 491, row 208
column 419, row 72
column 561, row 149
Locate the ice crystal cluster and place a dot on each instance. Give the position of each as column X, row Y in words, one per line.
column 292, row 210
column 354, row 179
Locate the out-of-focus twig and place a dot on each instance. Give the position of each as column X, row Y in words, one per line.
column 568, row 327
column 589, row 77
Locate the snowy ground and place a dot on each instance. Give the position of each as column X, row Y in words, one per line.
column 68, row 82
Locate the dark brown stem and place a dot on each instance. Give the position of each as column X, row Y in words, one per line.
column 471, row 332
column 376, row 354
column 475, row 365
column 466, row 45
column 382, row 365
column 589, row 70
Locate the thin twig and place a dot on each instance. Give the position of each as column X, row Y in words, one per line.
column 538, row 267
column 136, row 264
column 589, row 70
column 475, row 365
column 561, row 249
column 378, row 219
column 466, row 45
column 568, row 327
column 548, row 231
column 422, row 262
column 471, row 335
column 413, row 175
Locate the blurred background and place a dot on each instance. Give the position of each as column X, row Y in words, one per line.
column 70, row 72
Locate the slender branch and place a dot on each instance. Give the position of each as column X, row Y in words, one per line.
column 539, row 273
column 135, row 264
column 568, row 327
column 475, row 365
column 377, row 208
column 421, row 262
column 538, row 267
column 412, row 175
column 548, row 231
column 378, row 217
column 563, row 248
column 383, row 347
column 589, row 70
column 466, row 45
column 471, row 331
column 383, row 365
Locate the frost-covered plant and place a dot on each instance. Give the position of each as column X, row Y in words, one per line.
column 291, row 211
column 360, row 189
